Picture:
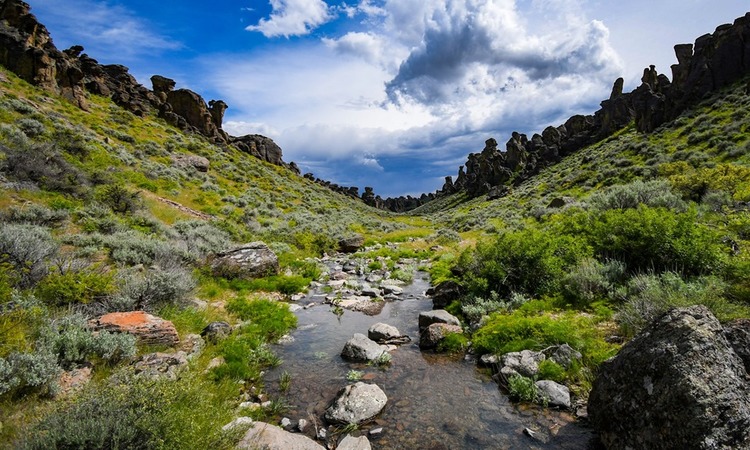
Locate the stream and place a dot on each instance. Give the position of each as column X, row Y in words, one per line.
column 435, row 401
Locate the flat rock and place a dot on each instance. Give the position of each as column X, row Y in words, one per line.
column 354, row 443
column 361, row 348
column 427, row 318
column 148, row 329
column 270, row 437
column 356, row 403
column 392, row 289
column 554, row 394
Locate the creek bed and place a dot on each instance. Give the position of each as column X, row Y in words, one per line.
column 434, row 401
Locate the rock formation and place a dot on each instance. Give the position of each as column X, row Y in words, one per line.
column 678, row 384
column 148, row 329
column 253, row 260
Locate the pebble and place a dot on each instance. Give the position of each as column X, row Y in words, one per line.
column 301, row 425
column 376, row 431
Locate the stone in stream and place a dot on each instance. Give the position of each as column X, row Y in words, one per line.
column 436, row 332
column 554, row 394
column 427, row 318
column 356, row 403
column 391, row 289
column 369, row 291
column 524, row 363
column 270, row 437
column 354, row 443
column 387, row 334
column 361, row 348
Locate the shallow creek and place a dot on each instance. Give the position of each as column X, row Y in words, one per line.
column 434, row 401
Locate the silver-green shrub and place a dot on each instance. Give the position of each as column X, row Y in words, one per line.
column 28, row 248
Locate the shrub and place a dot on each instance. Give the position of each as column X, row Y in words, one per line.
column 550, row 370
column 591, row 280
column 286, row 284
column 31, row 127
column 444, row 236
column 202, row 238
column 453, row 343
column 154, row 288
column 70, row 339
column 120, row 199
column 22, row 372
column 474, row 308
column 72, row 287
column 34, row 214
column 43, row 164
column 650, row 193
column 27, row 248
column 522, row 389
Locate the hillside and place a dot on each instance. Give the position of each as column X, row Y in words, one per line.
column 110, row 208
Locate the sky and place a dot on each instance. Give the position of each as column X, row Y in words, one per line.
column 392, row 94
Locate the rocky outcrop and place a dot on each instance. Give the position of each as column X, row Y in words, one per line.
column 678, row 384
column 737, row 333
column 356, row 403
column 198, row 163
column 148, row 329
column 715, row 61
column 253, row 260
column 265, row 436
column 263, row 148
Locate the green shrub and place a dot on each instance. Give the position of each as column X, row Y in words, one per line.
column 286, row 284
column 655, row 193
column 522, row 389
column 33, row 371
column 118, row 198
column 202, row 238
column 34, row 214
column 550, row 370
column 453, row 343
column 591, row 280
column 27, row 248
column 154, row 289
column 31, row 127
column 71, row 340
column 74, row 287
column 474, row 308
column 44, row 165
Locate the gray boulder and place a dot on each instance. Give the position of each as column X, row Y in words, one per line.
column 554, row 394
column 386, row 334
column 356, row 403
column 563, row 355
column 352, row 243
column 427, row 318
column 525, row 363
column 352, row 443
column 737, row 333
column 678, row 384
column 361, row 348
column 432, row 336
column 253, row 260
column 270, row 437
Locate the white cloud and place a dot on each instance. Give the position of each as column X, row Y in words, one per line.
column 105, row 29
column 293, row 18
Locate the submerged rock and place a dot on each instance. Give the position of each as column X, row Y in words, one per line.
column 356, row 403
column 354, row 443
column 270, row 437
column 678, row 384
column 361, row 348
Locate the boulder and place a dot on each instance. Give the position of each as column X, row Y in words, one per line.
column 361, row 348
column 390, row 289
column 737, row 333
column 352, row 243
column 444, row 293
column 270, row 437
column 354, row 443
column 157, row 365
column 261, row 147
column 525, row 363
column 563, row 355
column 216, row 331
column 148, row 329
column 554, row 394
column 677, row 384
column 431, row 336
column 386, row 334
column 427, row 318
column 356, row 403
column 198, row 163
column 253, row 260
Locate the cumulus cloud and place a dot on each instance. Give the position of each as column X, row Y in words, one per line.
column 293, row 18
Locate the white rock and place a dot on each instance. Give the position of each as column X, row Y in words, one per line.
column 238, row 422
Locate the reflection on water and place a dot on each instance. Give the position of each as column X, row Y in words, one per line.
column 434, row 401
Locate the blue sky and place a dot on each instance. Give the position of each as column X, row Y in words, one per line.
column 388, row 93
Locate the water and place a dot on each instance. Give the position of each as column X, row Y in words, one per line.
column 434, row 401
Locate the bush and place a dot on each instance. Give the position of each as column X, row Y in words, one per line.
column 268, row 320
column 522, row 389
column 591, row 280
column 27, row 248
column 23, row 372
column 34, row 214
column 474, row 308
column 120, row 199
column 550, row 370
column 31, row 127
column 154, row 289
column 286, row 284
column 43, row 164
column 70, row 339
column 202, row 238
column 453, row 343
column 76, row 287
column 650, row 193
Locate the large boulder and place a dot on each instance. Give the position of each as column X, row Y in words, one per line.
column 148, row 329
column 431, row 336
column 270, row 437
column 356, row 403
column 678, row 384
column 352, row 243
column 361, row 348
column 253, row 260
column 444, row 293
column 737, row 333
column 427, row 318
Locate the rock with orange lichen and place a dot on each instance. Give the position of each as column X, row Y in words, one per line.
column 148, row 329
